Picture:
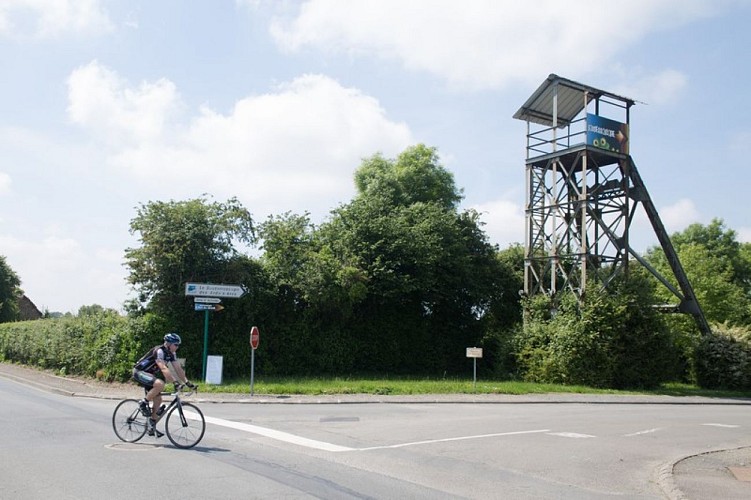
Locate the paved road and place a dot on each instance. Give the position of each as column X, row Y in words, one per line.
column 543, row 447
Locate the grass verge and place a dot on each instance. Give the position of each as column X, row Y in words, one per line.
column 406, row 386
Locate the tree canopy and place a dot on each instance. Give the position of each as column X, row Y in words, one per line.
column 10, row 292
column 397, row 270
column 184, row 241
column 415, row 176
column 718, row 268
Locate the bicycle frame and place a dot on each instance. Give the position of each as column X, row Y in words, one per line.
column 176, row 401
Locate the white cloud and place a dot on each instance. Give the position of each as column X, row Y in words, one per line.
column 291, row 149
column 674, row 218
column 5, row 182
column 661, row 88
column 740, row 142
column 51, row 18
column 80, row 277
column 504, row 222
column 680, row 215
column 102, row 102
column 484, row 43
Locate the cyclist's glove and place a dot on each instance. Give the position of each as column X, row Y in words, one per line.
column 190, row 384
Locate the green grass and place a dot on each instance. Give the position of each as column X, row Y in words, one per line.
column 407, row 386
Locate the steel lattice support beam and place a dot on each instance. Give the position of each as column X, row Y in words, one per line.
column 578, row 214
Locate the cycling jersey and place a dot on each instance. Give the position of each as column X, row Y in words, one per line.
column 148, row 362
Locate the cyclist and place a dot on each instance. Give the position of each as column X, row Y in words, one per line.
column 145, row 374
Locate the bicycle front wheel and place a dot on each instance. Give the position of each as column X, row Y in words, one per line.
column 128, row 421
column 185, row 425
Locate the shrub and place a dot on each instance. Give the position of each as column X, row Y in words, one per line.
column 613, row 338
column 723, row 359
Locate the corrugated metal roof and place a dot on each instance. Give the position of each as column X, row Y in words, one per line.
column 571, row 101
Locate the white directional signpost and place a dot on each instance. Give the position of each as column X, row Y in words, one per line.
column 207, row 298
column 474, row 353
column 214, row 290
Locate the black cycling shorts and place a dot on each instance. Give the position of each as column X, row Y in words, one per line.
column 145, row 379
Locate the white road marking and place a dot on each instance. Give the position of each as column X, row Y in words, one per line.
column 722, row 425
column 278, row 435
column 321, row 445
column 461, row 438
column 648, row 431
column 570, row 435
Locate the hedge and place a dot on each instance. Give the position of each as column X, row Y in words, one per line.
column 104, row 345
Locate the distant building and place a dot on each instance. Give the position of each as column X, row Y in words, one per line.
column 27, row 310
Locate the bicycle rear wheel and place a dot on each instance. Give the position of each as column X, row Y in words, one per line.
column 185, row 425
column 128, row 421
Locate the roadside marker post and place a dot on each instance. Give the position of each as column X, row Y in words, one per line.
column 474, row 353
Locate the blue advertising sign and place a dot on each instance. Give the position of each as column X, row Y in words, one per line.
column 606, row 134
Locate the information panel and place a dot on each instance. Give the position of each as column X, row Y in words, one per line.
column 607, row 134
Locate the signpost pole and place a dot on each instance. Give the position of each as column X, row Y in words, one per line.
column 255, row 336
column 205, row 342
column 474, row 374
column 252, row 368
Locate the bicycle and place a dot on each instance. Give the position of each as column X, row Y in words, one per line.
column 184, row 424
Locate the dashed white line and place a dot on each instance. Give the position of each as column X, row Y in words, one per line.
column 571, row 435
column 648, row 431
column 461, row 438
column 722, row 425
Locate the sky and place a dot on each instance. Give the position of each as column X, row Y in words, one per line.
column 108, row 105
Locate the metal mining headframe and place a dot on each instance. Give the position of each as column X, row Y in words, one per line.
column 583, row 190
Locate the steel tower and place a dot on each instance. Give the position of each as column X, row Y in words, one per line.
column 583, row 190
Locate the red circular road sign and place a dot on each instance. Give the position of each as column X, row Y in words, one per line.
column 254, row 337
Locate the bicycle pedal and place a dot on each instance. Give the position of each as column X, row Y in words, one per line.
column 155, row 432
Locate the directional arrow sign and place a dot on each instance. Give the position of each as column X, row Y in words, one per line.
column 207, row 300
column 214, row 290
column 208, row 307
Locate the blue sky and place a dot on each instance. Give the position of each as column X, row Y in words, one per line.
column 106, row 105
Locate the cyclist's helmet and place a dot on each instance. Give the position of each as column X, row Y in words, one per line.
column 172, row 338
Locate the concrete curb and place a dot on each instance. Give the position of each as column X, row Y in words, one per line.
column 666, row 480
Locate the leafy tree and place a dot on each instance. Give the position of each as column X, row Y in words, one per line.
column 508, row 310
column 717, row 267
column 10, row 292
column 402, row 269
column 722, row 244
column 182, row 242
column 94, row 310
column 415, row 176
column 397, row 280
column 505, row 314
